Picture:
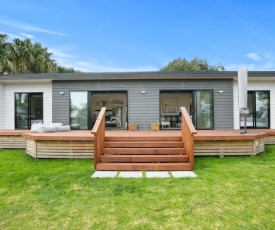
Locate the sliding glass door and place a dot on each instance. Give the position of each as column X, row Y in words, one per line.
column 86, row 105
column 258, row 105
column 198, row 103
column 28, row 109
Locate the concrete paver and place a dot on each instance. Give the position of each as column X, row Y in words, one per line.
column 131, row 174
column 148, row 174
column 180, row 174
column 104, row 174
column 157, row 174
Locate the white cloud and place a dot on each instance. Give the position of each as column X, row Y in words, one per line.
column 266, row 66
column 64, row 58
column 101, row 67
column 253, row 56
column 269, row 66
column 27, row 35
column 235, row 67
column 95, row 66
column 60, row 54
column 258, row 62
column 27, row 27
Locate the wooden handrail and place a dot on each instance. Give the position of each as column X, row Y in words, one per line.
column 188, row 132
column 99, row 135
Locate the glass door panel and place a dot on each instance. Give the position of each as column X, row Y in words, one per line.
column 116, row 108
column 262, row 109
column 21, row 111
column 258, row 105
column 36, row 108
column 204, row 109
column 170, row 104
column 79, row 110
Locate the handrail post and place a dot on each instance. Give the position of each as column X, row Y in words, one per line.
column 188, row 132
column 99, row 135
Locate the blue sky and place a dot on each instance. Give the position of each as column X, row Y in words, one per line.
column 144, row 35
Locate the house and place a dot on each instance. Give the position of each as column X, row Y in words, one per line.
column 211, row 99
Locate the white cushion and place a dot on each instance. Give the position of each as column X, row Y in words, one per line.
column 49, row 128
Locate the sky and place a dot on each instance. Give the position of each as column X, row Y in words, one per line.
column 145, row 35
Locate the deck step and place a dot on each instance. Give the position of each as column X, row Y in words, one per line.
column 142, row 138
column 143, row 151
column 143, row 158
column 144, row 166
column 142, row 144
column 147, row 152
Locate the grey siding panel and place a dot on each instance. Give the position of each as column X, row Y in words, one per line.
column 145, row 108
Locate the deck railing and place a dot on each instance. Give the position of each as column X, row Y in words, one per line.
column 99, row 135
column 188, row 131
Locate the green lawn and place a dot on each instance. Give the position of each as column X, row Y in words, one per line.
column 229, row 193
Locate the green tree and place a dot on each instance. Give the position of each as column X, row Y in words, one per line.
column 6, row 64
column 23, row 56
column 194, row 65
column 31, row 58
column 62, row 69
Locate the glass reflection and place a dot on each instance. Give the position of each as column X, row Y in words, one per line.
column 78, row 110
column 262, row 109
column 21, row 110
column 204, row 109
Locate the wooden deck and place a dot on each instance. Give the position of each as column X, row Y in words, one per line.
column 79, row 144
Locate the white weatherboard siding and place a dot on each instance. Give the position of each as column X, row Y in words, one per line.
column 1, row 105
column 9, row 107
column 255, row 85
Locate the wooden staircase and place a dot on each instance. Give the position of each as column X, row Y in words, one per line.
column 143, row 153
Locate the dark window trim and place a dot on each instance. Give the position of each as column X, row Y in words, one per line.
column 212, row 108
column 28, row 109
column 254, row 109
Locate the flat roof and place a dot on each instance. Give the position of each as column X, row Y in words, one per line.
column 48, row 77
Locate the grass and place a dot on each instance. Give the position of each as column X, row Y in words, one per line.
column 229, row 193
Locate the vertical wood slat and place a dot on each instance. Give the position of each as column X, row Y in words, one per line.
column 35, row 149
column 99, row 135
column 31, row 148
column 188, row 132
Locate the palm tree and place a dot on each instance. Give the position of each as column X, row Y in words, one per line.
column 42, row 61
column 23, row 56
column 31, row 58
column 6, row 65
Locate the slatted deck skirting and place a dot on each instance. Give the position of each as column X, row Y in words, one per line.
column 60, row 149
column 12, row 139
column 229, row 143
column 228, row 148
column 75, row 144
column 66, row 144
column 270, row 139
